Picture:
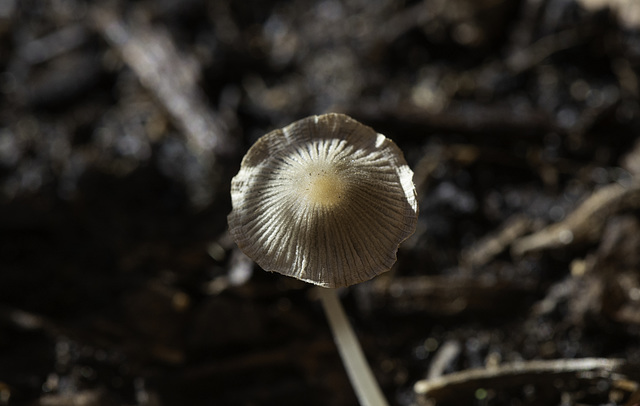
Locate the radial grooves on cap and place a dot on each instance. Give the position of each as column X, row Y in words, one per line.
column 336, row 242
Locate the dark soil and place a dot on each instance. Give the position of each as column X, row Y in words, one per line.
column 122, row 124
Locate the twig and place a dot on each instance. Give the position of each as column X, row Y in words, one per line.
column 483, row 251
column 518, row 373
column 444, row 357
column 439, row 296
column 584, row 224
column 172, row 77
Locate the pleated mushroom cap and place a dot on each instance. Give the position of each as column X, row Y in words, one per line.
column 326, row 200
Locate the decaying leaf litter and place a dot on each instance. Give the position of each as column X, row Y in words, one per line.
column 122, row 124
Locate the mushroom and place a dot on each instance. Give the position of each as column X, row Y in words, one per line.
column 326, row 200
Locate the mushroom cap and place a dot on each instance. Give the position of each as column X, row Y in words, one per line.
column 326, row 200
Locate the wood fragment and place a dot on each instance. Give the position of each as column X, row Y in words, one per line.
column 634, row 399
column 85, row 397
column 448, row 296
column 443, row 358
column 584, row 224
column 628, row 11
column 520, row 373
column 171, row 76
column 524, row 59
column 484, row 250
column 55, row 44
column 631, row 160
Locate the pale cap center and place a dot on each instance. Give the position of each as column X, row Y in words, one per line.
column 319, row 184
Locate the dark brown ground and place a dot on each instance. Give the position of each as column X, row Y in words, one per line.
column 122, row 123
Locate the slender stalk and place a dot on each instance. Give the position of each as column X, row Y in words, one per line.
column 358, row 370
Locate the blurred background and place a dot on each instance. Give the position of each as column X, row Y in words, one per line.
column 122, row 123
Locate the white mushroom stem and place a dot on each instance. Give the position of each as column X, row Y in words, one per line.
column 358, row 370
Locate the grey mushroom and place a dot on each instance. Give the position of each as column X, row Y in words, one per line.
column 326, row 200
